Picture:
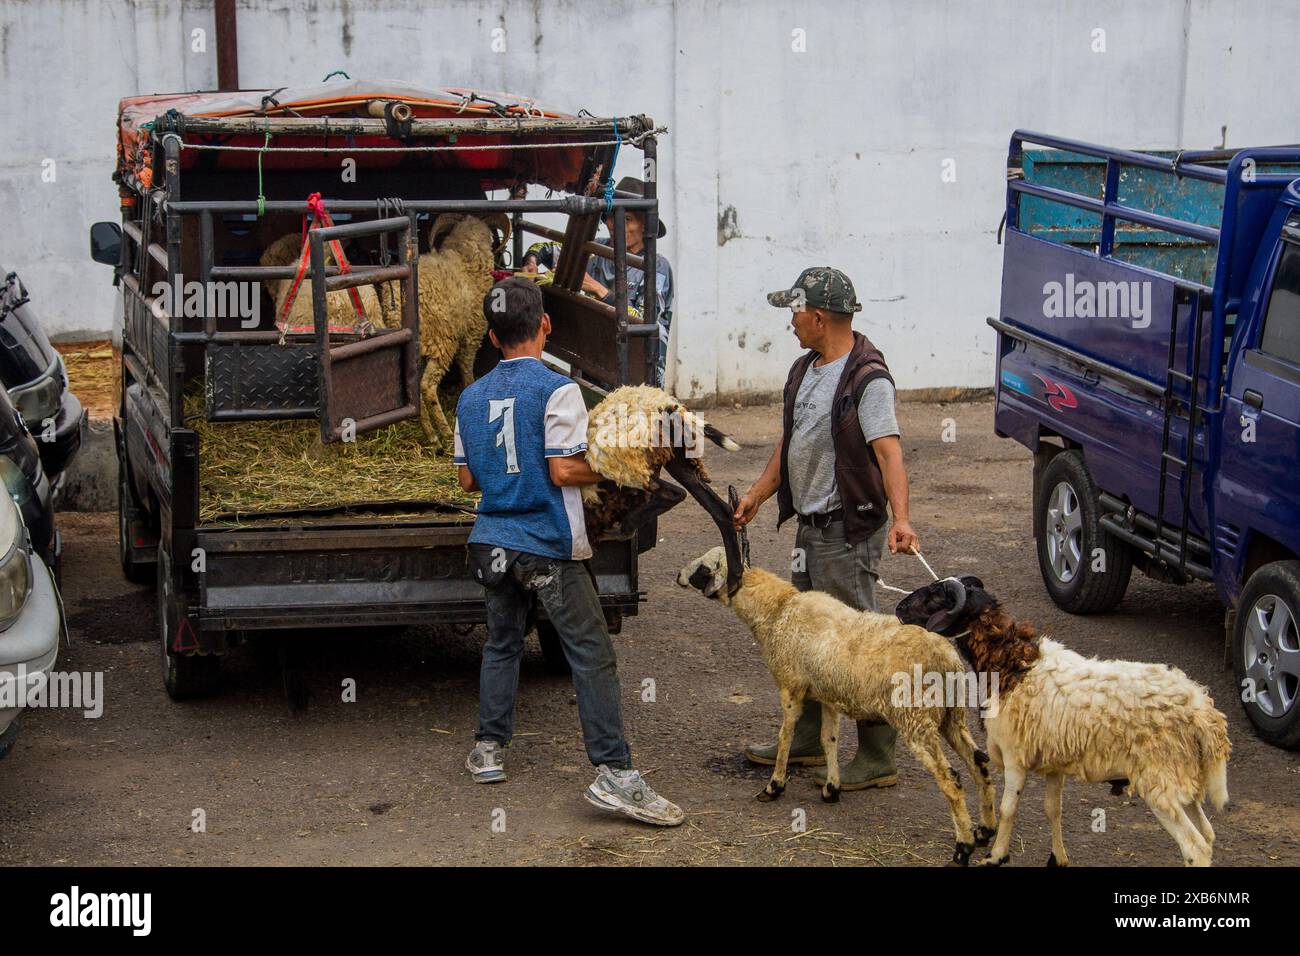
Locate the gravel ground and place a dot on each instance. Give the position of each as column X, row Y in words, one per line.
column 381, row 780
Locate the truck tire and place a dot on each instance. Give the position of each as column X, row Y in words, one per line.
column 185, row 676
column 1069, row 536
column 1266, row 652
column 137, row 572
column 552, row 650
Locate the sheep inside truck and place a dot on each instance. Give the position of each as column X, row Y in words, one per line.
column 1058, row 713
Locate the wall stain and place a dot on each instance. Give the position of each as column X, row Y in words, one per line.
column 728, row 226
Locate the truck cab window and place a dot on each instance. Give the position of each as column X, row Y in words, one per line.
column 1281, row 336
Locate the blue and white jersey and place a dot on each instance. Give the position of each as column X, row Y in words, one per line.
column 507, row 424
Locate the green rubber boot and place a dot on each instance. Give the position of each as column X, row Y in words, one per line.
column 873, row 764
column 805, row 749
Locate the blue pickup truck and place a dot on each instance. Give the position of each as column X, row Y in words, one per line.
column 1149, row 355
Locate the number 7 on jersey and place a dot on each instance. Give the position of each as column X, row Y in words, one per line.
column 504, row 409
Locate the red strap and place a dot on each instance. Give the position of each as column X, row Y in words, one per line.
column 317, row 217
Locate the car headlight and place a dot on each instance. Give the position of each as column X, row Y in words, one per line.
column 38, row 401
column 15, row 564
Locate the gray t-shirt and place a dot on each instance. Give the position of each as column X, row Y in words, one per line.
column 811, row 458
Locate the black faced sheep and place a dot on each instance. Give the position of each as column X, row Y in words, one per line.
column 1059, row 713
column 852, row 661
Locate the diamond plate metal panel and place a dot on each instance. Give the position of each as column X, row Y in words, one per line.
column 262, row 378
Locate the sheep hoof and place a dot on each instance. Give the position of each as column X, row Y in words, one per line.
column 998, row 862
column 1052, row 861
column 984, row 835
column 771, row 791
column 831, row 793
column 961, row 855
column 1117, row 786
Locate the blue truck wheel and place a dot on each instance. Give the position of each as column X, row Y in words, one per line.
column 1266, row 652
column 1085, row 568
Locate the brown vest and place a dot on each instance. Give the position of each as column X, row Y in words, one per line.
column 857, row 473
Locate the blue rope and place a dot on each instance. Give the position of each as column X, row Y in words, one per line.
column 609, row 177
column 341, row 73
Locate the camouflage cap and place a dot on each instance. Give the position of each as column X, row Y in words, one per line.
column 820, row 287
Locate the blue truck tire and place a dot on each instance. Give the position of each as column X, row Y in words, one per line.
column 1085, row 568
column 1266, row 652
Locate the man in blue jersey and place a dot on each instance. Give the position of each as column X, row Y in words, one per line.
column 521, row 439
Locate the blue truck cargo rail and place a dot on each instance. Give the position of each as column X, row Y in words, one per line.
column 1149, row 355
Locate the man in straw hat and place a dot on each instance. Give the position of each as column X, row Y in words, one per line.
column 599, row 280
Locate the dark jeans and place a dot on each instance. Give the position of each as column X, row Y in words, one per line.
column 566, row 591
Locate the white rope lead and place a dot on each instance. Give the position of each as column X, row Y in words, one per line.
column 925, row 562
column 889, row 587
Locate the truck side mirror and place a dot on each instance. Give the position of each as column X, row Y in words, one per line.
column 106, row 243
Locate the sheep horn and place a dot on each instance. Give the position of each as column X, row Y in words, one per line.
column 501, row 223
column 688, row 476
column 941, row 620
column 956, row 591
column 733, row 499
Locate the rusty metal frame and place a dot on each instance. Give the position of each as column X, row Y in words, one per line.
column 156, row 355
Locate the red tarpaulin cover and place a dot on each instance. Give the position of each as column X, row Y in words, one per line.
column 557, row 168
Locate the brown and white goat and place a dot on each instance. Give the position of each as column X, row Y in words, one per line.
column 1147, row 726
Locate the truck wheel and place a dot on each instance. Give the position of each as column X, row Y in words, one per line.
column 186, row 676
column 137, row 572
column 552, row 651
column 1266, row 652
column 1069, row 539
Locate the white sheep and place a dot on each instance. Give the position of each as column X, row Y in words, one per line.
column 1147, row 726
column 454, row 276
column 339, row 308
column 851, row 661
column 632, row 434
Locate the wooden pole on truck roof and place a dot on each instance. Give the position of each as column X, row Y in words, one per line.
column 227, row 45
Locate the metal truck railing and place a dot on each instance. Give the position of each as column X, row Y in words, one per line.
column 239, row 357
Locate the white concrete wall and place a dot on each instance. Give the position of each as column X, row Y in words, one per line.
column 831, row 155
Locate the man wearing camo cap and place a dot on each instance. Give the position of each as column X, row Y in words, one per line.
column 839, row 467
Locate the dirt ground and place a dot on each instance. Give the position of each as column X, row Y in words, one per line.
column 382, row 781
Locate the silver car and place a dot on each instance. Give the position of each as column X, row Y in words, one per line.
column 31, row 620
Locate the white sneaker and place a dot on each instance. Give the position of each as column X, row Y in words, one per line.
column 487, row 762
column 625, row 792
